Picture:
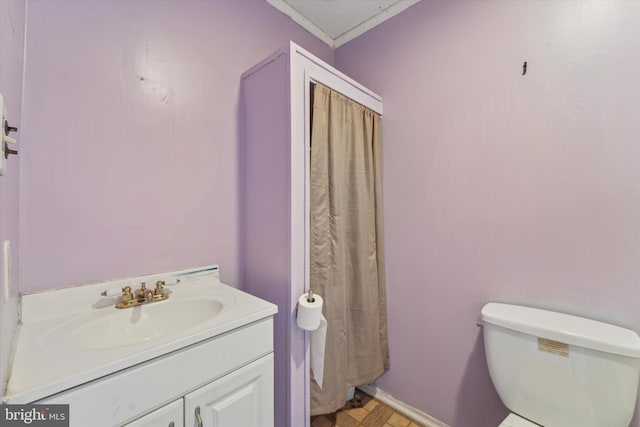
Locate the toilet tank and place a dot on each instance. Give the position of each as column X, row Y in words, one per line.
column 559, row 370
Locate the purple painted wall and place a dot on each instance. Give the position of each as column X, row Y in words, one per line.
column 131, row 134
column 498, row 186
column 12, row 22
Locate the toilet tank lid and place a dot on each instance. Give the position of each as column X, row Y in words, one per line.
column 565, row 328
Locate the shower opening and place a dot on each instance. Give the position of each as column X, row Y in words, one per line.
column 346, row 251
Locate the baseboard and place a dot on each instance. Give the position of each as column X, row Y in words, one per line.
column 408, row 410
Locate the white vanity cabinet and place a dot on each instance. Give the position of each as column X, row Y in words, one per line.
column 242, row 398
column 170, row 415
column 229, row 377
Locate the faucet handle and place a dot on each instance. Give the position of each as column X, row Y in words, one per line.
column 124, row 293
column 171, row 282
column 111, row 293
column 159, row 290
column 167, row 282
column 160, row 284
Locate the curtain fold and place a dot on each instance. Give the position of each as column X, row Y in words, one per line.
column 346, row 246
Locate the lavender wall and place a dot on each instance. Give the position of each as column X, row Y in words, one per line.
column 12, row 22
column 498, row 186
column 131, row 134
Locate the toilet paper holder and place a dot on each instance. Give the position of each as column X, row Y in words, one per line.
column 310, row 297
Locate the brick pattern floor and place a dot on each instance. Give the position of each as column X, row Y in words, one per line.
column 363, row 411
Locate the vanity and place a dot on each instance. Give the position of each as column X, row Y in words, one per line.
column 202, row 357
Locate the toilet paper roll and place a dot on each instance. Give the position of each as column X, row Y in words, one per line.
column 309, row 312
column 310, row 318
column 318, row 339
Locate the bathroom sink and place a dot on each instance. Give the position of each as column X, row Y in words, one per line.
column 72, row 336
column 132, row 326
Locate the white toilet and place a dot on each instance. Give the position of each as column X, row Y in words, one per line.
column 556, row 370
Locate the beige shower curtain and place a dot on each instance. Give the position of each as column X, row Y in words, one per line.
column 346, row 246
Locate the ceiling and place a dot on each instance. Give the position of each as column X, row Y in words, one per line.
column 338, row 21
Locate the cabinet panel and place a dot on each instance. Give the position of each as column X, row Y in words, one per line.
column 242, row 398
column 170, row 415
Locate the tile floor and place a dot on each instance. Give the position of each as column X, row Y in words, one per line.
column 363, row 411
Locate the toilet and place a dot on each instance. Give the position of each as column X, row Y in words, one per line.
column 556, row 370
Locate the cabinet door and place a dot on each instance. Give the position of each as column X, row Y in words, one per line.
column 243, row 398
column 170, row 415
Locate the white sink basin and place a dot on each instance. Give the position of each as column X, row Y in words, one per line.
column 110, row 328
column 144, row 322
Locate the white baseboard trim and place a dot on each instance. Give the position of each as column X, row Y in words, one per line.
column 408, row 410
